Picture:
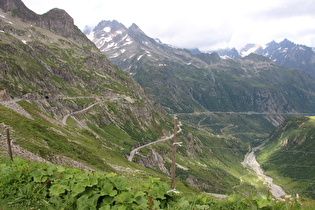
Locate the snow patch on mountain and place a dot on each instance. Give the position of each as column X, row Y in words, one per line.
column 114, row 55
column 107, row 29
column 111, row 45
column 128, row 41
column 225, row 57
column 140, row 57
column 264, row 46
column 148, row 53
column 107, row 39
column 250, row 50
column 125, row 37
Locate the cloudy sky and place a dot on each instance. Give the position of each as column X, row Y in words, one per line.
column 205, row 24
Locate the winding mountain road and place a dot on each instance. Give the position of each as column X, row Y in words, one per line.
column 64, row 119
column 135, row 150
column 112, row 98
column 245, row 113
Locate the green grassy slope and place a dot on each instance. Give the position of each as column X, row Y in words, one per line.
column 289, row 154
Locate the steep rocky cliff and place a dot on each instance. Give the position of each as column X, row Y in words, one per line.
column 56, row 20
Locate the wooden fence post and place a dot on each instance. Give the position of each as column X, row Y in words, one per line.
column 173, row 169
column 9, row 143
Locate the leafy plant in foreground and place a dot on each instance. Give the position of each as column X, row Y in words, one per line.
column 29, row 185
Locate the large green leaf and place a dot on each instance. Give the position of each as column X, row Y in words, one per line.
column 124, row 197
column 119, row 183
column 38, row 176
column 88, row 202
column 67, row 175
column 105, row 207
column 108, row 189
column 140, row 198
column 158, row 192
column 77, row 188
column 119, row 207
column 263, row 201
column 57, row 189
column 83, row 203
column 93, row 180
column 107, row 201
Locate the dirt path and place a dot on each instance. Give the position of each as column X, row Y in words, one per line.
column 64, row 119
column 135, row 150
column 251, row 162
column 113, row 98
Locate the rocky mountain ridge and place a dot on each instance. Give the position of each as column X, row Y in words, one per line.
column 56, row 20
column 284, row 53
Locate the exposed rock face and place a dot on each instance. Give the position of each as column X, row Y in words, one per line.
column 154, row 160
column 23, row 12
column 56, row 20
column 4, row 95
column 60, row 22
column 17, row 108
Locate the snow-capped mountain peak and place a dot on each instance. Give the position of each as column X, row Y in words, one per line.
column 284, row 53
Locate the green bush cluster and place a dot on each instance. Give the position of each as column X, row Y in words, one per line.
column 29, row 185
column 41, row 186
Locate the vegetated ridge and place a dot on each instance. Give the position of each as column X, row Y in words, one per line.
column 289, row 153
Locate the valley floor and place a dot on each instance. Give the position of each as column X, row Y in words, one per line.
column 251, row 162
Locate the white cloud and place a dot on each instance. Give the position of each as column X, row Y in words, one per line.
column 199, row 23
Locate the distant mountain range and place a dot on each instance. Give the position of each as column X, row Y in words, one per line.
column 186, row 82
column 285, row 53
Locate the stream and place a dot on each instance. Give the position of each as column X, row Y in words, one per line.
column 251, row 162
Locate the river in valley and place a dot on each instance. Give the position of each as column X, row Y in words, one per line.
column 251, row 162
